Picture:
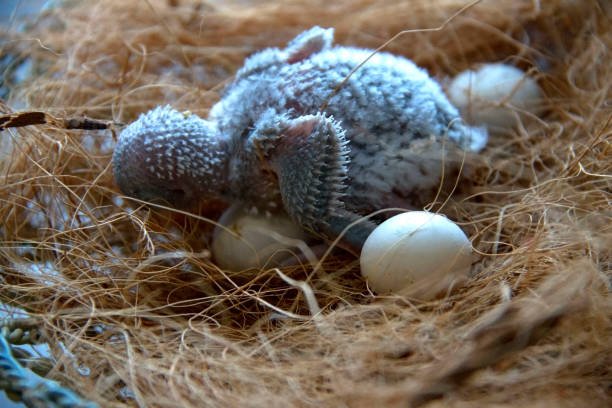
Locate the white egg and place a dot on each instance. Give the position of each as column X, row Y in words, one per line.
column 417, row 253
column 494, row 95
column 253, row 240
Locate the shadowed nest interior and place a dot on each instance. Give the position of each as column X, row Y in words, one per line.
column 137, row 314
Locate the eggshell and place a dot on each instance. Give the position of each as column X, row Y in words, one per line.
column 253, row 240
column 494, row 95
column 417, row 252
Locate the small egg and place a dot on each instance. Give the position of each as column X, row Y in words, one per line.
column 417, row 253
column 253, row 240
column 494, row 94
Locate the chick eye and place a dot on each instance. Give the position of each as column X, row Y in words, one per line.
column 178, row 193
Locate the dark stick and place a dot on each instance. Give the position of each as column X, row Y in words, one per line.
column 21, row 119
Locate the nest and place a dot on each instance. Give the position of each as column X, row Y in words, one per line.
column 135, row 311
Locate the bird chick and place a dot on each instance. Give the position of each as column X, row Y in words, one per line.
column 296, row 132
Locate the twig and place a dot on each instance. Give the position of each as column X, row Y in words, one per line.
column 29, row 118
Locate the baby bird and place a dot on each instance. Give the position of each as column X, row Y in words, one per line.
column 295, row 132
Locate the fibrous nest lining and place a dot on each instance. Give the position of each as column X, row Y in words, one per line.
column 136, row 312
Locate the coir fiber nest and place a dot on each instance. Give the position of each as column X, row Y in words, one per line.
column 135, row 311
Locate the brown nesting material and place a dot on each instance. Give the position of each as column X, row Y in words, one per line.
column 130, row 291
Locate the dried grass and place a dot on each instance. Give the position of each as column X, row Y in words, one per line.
column 129, row 293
